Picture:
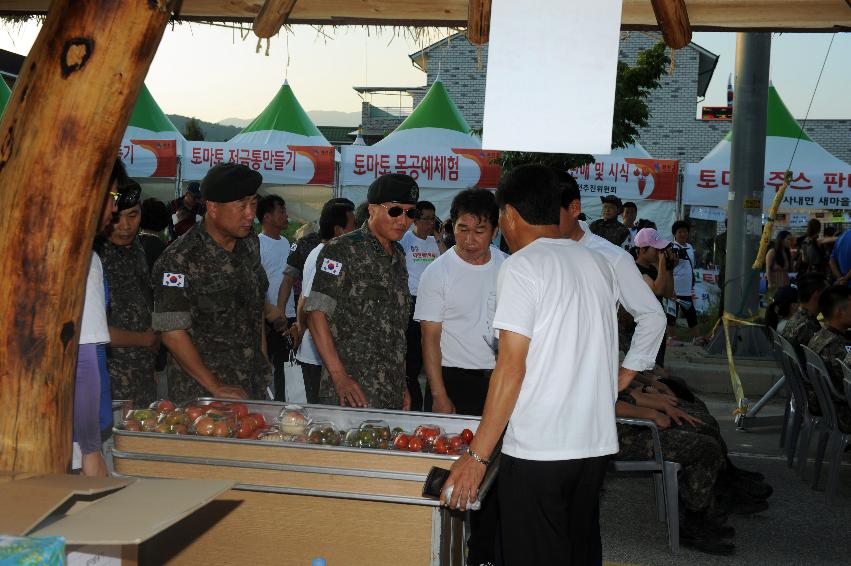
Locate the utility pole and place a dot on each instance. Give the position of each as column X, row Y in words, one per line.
column 747, row 170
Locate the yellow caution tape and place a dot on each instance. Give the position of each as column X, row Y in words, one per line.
column 759, row 262
column 727, row 319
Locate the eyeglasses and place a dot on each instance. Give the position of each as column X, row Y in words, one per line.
column 396, row 211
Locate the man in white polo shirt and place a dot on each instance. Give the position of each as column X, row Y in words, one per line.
column 421, row 249
column 554, row 386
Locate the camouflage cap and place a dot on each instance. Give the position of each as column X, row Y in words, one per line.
column 393, row 187
column 229, row 182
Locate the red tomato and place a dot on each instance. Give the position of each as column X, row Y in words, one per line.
column 219, row 404
column 427, row 433
column 239, row 409
column 259, row 421
column 466, row 436
column 194, row 412
column 246, row 428
column 204, row 426
column 163, row 406
column 455, row 442
column 221, row 429
column 402, row 441
column 179, row 429
column 441, row 446
column 132, row 425
column 415, row 444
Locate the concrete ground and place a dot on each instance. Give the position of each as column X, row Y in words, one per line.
column 800, row 527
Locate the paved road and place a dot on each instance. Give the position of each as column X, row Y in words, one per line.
column 798, row 528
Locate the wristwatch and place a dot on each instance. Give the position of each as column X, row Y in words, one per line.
column 477, row 458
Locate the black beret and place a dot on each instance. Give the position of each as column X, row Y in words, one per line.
column 393, row 187
column 229, row 182
column 612, row 199
column 129, row 195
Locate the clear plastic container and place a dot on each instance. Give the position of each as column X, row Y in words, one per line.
column 323, row 433
column 293, row 419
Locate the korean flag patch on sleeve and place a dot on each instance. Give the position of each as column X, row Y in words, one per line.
column 174, row 280
column 331, row 266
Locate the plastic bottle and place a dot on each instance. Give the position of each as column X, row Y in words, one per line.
column 318, row 562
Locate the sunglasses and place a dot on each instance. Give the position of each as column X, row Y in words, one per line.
column 396, row 211
column 126, row 198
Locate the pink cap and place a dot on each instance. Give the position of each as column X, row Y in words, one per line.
column 650, row 237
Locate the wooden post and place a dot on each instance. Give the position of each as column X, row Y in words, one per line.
column 272, row 16
column 479, row 21
column 58, row 140
column 672, row 17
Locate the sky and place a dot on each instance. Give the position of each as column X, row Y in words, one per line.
column 215, row 73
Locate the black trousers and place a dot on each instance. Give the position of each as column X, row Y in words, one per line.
column 414, row 359
column 466, row 388
column 311, row 374
column 549, row 511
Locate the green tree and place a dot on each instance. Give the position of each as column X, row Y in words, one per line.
column 192, row 130
column 633, row 85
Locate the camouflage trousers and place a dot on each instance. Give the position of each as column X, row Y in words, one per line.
column 700, row 456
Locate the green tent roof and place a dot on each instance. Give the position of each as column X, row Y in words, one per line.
column 5, row 94
column 779, row 122
column 148, row 115
column 436, row 110
column 284, row 114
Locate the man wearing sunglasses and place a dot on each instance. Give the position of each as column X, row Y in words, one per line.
column 133, row 346
column 209, row 294
column 359, row 302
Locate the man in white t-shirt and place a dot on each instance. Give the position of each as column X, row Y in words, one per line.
column 87, row 452
column 555, row 383
column 421, row 249
column 455, row 308
column 336, row 219
column 274, row 249
column 684, row 280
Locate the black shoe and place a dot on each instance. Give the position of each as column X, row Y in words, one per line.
column 704, row 540
column 743, row 505
column 753, row 476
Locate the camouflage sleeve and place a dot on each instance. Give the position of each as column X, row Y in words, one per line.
column 332, row 267
column 257, row 263
column 831, row 356
column 296, row 259
column 172, row 304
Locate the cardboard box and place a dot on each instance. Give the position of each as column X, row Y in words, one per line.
column 103, row 520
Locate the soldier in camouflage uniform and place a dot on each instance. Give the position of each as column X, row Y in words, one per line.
column 609, row 227
column 803, row 324
column 359, row 303
column 833, row 343
column 131, row 357
column 209, row 290
column 294, row 269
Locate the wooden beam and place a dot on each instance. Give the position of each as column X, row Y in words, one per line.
column 58, row 140
column 272, row 16
column 672, row 18
column 704, row 15
column 479, row 21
